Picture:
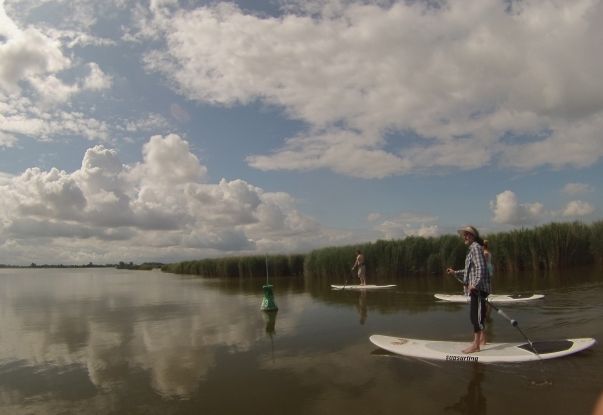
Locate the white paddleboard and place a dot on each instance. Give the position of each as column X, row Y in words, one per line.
column 490, row 353
column 361, row 287
column 493, row 298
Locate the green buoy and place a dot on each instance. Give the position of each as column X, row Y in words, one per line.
column 268, row 303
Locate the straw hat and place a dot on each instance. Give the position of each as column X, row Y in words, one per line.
column 469, row 229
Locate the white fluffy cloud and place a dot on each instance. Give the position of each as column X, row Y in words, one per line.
column 406, row 224
column 41, row 78
column 28, row 55
column 96, row 80
column 508, row 211
column 475, row 82
column 578, row 208
column 159, row 209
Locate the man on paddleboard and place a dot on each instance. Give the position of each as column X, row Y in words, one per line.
column 476, row 279
column 361, row 267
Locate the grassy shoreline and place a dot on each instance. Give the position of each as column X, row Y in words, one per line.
column 548, row 247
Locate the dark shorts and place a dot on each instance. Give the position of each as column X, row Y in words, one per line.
column 478, row 309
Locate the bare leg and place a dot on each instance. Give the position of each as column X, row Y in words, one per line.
column 362, row 276
column 482, row 338
column 473, row 347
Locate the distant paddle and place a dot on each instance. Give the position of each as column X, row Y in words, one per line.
column 345, row 282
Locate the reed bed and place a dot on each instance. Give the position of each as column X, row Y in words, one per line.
column 548, row 247
column 241, row 266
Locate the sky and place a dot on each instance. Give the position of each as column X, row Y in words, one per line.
column 166, row 130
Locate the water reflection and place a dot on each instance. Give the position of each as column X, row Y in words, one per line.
column 361, row 306
column 151, row 343
column 270, row 320
column 473, row 402
column 168, row 330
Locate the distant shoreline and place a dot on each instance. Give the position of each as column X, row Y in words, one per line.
column 57, row 266
column 121, row 265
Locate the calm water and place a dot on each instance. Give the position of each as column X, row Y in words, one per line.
column 103, row 341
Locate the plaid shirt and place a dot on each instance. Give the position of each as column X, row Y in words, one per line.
column 476, row 271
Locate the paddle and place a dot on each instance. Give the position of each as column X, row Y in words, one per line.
column 513, row 322
column 345, row 282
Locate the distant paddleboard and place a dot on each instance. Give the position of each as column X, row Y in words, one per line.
column 493, row 298
column 361, row 287
column 490, row 353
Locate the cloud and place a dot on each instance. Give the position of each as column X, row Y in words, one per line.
column 96, row 79
column 407, row 224
column 373, row 216
column 578, row 208
column 471, row 83
column 51, row 90
column 150, row 123
column 41, row 81
column 28, row 55
column 577, row 188
column 161, row 208
column 7, row 140
column 344, row 152
column 23, row 116
column 167, row 160
column 508, row 211
column 52, row 194
column 74, row 18
column 54, row 230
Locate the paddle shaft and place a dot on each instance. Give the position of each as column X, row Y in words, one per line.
column 514, row 323
column 346, row 280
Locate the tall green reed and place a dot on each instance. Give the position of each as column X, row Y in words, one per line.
column 241, row 266
column 547, row 247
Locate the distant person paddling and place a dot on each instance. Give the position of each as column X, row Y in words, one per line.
column 360, row 265
column 476, row 280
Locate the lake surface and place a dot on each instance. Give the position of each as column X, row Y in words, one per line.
column 106, row 341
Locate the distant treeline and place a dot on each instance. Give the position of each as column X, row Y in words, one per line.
column 548, row 247
column 122, row 265
column 34, row 265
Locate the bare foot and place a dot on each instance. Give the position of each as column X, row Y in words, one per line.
column 471, row 349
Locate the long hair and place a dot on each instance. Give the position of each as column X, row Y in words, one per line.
column 476, row 236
